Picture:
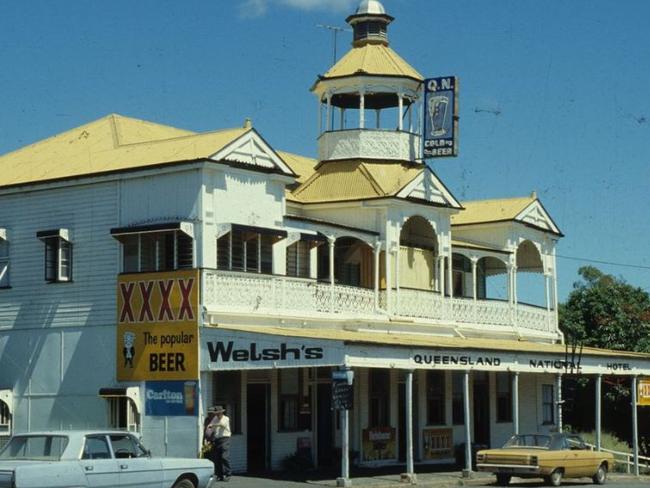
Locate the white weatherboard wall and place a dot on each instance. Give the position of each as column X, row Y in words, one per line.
column 51, row 333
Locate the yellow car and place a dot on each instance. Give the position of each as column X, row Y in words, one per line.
column 551, row 457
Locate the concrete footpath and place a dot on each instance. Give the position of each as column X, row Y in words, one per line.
column 451, row 479
column 425, row 480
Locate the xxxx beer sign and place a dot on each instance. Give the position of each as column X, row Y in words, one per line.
column 157, row 326
column 643, row 397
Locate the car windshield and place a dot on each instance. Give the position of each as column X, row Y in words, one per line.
column 35, row 447
column 529, row 440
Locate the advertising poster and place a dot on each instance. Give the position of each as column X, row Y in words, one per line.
column 157, row 326
column 643, row 396
column 171, row 398
column 437, row 443
column 379, row 443
column 440, row 117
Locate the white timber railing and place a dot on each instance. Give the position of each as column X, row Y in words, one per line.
column 625, row 458
column 227, row 291
column 369, row 143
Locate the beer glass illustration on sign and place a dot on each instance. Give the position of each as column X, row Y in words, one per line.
column 437, row 111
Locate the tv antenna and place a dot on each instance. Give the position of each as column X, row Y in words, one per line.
column 335, row 32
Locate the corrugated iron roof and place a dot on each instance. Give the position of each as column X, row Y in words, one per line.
column 372, row 59
column 112, row 143
column 483, row 211
column 355, row 180
column 303, row 166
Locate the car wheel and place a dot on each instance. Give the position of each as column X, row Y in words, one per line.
column 503, row 479
column 184, row 483
column 556, row 478
column 601, row 475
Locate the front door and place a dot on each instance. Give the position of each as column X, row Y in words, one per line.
column 324, row 425
column 257, row 437
column 481, row 392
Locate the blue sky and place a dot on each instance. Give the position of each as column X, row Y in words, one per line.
column 569, row 80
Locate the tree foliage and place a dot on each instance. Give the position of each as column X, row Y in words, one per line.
column 605, row 311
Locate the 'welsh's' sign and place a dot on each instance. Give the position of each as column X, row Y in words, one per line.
column 157, row 326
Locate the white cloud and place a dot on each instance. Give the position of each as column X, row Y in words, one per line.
column 335, row 5
column 257, row 8
column 250, row 9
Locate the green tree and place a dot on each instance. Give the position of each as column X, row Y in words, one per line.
column 605, row 312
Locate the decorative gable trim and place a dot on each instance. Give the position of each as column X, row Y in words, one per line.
column 251, row 149
column 428, row 187
column 537, row 216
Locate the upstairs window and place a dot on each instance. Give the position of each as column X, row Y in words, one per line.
column 247, row 249
column 58, row 255
column 159, row 247
column 4, row 259
column 298, row 259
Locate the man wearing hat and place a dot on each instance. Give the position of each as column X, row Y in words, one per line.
column 217, row 432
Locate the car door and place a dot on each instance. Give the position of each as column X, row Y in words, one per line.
column 97, row 462
column 136, row 467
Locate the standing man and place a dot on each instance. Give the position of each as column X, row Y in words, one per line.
column 217, row 433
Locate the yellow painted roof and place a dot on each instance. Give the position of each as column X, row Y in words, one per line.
column 421, row 340
column 480, row 211
column 355, row 180
column 112, row 143
column 481, row 247
column 301, row 165
column 372, row 59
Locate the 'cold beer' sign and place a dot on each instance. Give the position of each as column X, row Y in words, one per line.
column 157, row 326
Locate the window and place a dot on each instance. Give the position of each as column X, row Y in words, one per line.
column 298, row 259
column 5, row 424
column 548, row 403
column 58, row 255
column 126, row 446
column 4, row 262
column 96, row 447
column 123, row 414
column 436, row 398
column 379, row 393
column 226, row 386
column 504, row 397
column 457, row 405
column 293, row 401
column 157, row 251
column 247, row 251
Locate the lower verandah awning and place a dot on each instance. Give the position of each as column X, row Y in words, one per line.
column 234, row 347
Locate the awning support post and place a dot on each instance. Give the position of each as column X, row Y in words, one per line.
column 409, row 476
column 635, row 427
column 599, row 383
column 467, row 472
column 344, row 480
column 515, row 401
column 558, row 400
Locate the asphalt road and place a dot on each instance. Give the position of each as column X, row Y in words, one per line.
column 391, row 482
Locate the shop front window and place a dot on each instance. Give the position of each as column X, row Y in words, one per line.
column 226, row 386
column 457, row 405
column 504, row 397
column 293, row 401
column 548, row 411
column 436, row 398
column 379, row 398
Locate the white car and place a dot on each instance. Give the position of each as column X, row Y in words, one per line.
column 75, row 459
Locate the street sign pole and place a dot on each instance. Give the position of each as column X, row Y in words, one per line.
column 342, row 392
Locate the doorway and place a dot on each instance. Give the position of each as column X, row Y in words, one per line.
column 481, row 391
column 324, row 425
column 257, row 418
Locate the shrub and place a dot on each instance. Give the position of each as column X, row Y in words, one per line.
column 611, row 442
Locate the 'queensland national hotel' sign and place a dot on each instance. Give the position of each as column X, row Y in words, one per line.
column 440, row 117
column 157, row 326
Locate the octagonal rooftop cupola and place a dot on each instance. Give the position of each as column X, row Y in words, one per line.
column 367, row 99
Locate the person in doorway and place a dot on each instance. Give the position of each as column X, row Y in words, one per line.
column 217, row 433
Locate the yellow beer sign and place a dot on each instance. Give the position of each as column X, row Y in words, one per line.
column 643, row 397
column 157, row 326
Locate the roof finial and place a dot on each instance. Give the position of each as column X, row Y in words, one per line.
column 248, row 123
column 533, row 195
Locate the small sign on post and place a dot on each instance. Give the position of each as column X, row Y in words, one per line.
column 342, row 389
column 643, row 397
column 440, row 117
